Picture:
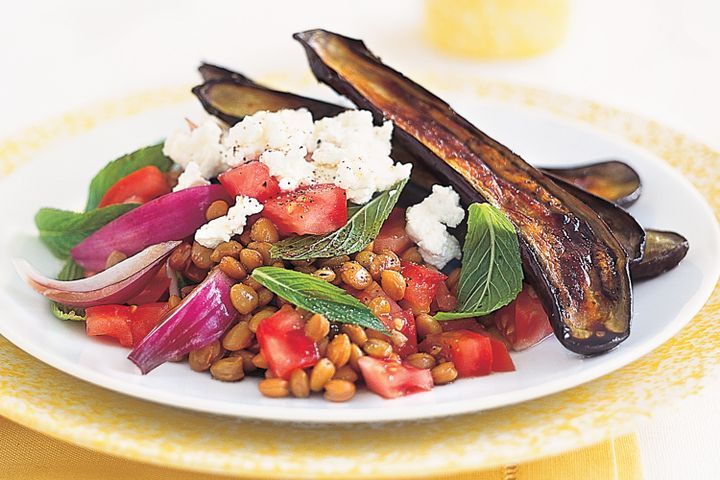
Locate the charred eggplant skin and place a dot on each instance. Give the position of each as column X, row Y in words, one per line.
column 664, row 251
column 579, row 268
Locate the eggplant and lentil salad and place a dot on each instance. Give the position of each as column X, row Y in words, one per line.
column 318, row 247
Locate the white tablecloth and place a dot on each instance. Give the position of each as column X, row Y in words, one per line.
column 657, row 58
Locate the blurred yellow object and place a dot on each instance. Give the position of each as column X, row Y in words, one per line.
column 496, row 28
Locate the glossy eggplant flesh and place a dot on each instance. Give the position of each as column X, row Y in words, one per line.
column 613, row 180
column 577, row 265
column 208, row 71
column 623, row 225
column 663, row 251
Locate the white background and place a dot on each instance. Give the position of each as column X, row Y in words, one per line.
column 658, row 58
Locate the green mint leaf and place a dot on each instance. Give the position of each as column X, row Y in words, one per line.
column 125, row 165
column 70, row 271
column 61, row 230
column 356, row 234
column 491, row 275
column 317, row 296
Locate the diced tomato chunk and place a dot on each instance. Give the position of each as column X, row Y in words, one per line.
column 422, row 285
column 392, row 235
column 471, row 352
column 444, row 300
column 523, row 322
column 283, row 342
column 317, row 210
column 127, row 324
column 462, row 324
column 140, row 186
column 501, row 360
column 154, row 290
column 251, row 179
column 391, row 379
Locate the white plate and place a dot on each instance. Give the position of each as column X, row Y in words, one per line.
column 58, row 177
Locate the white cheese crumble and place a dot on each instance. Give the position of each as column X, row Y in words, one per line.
column 222, row 229
column 190, row 177
column 427, row 224
column 200, row 145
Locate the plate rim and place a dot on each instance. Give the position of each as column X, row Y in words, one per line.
column 681, row 177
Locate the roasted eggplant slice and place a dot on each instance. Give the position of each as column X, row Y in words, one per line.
column 613, row 180
column 577, row 265
column 209, row 72
column 623, row 225
column 219, row 98
column 663, row 251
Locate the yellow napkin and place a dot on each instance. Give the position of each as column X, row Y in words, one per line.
column 29, row 455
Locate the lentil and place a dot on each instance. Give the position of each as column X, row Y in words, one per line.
column 333, row 261
column 426, row 325
column 387, row 260
column 259, row 361
column 201, row 359
column 263, row 230
column 251, row 259
column 228, row 369
column 325, row 273
column 321, row 374
column 322, row 346
column 357, row 334
column 243, row 298
column 274, row 387
column 245, row 236
column 264, row 249
column 252, row 283
column 226, row 249
column 265, row 296
column 355, row 354
column 365, row 258
column 255, row 320
column 339, row 390
column 317, row 327
column 238, row 337
column 299, row 383
column 346, row 372
column 217, row 209
column 338, row 351
column 393, row 283
column 247, row 356
column 195, row 274
column 201, row 256
column 232, row 268
column 180, row 257
column 377, row 348
column 444, row 373
column 412, row 254
column 379, row 306
column 421, row 360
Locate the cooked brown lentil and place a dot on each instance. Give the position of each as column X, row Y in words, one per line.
column 379, row 306
column 338, row 351
column 263, row 230
column 365, row 258
column 245, row 236
column 226, row 249
column 243, row 298
column 251, row 259
column 201, row 359
column 325, row 273
column 252, row 283
column 356, row 334
column 299, row 383
column 398, row 338
column 274, row 387
column 264, row 249
column 232, row 268
column 201, row 256
column 217, row 209
column 377, row 348
column 180, row 257
column 346, row 372
column 333, row 261
column 393, row 283
column 238, row 337
column 305, row 269
column 265, row 296
column 322, row 346
column 247, row 356
column 317, row 327
column 421, row 360
column 444, row 373
column 372, row 333
column 259, row 361
column 355, row 354
column 228, row 369
column 425, row 325
column 412, row 254
column 321, row 374
column 114, row 258
column 339, row 390
column 195, row 274
column 387, row 260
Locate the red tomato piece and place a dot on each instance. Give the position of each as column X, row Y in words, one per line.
column 391, row 379
column 127, row 324
column 284, row 344
column 140, row 186
column 444, row 300
column 251, row 179
column 317, row 210
column 523, row 322
column 392, row 235
column 422, row 285
column 408, row 329
column 462, row 324
column 154, row 290
column 501, row 360
column 470, row 351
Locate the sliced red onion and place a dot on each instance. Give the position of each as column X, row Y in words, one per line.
column 201, row 318
column 171, row 217
column 117, row 284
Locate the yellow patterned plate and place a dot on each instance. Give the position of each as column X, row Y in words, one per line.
column 40, row 397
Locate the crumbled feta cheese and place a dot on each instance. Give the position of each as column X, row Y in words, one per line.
column 201, row 145
column 222, row 229
column 351, row 152
column 427, row 224
column 190, row 177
